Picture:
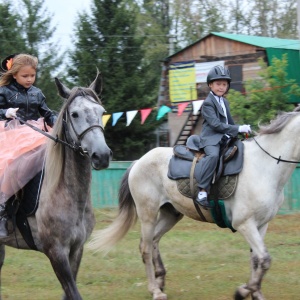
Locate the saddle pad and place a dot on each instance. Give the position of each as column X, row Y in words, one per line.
column 222, row 189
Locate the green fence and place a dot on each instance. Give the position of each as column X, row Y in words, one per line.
column 106, row 183
column 292, row 194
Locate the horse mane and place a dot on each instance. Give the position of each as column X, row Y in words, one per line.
column 55, row 158
column 279, row 122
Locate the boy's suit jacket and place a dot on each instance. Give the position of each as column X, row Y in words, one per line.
column 214, row 125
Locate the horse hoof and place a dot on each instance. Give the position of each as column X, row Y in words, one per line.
column 257, row 296
column 241, row 293
column 160, row 296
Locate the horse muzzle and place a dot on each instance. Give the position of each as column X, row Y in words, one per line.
column 101, row 161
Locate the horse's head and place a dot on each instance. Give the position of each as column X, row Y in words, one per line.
column 81, row 117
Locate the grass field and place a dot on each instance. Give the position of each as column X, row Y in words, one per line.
column 203, row 261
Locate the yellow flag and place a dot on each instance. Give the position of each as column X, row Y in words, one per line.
column 105, row 118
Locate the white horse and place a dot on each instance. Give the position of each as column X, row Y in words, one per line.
column 147, row 193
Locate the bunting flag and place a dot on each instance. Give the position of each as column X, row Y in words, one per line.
column 145, row 113
column 116, row 117
column 162, row 111
column 181, row 108
column 196, row 106
column 130, row 116
column 105, row 118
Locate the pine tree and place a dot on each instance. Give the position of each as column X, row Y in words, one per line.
column 107, row 40
column 38, row 33
column 10, row 31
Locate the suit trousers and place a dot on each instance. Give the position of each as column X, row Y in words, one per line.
column 208, row 165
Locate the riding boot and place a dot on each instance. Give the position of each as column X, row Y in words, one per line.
column 3, row 221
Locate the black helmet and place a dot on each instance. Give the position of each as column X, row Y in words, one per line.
column 218, row 72
column 4, row 62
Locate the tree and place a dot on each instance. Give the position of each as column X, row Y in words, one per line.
column 107, row 40
column 37, row 33
column 10, row 31
column 264, row 97
column 264, row 18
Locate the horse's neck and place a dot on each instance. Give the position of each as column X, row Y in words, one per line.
column 279, row 146
column 77, row 169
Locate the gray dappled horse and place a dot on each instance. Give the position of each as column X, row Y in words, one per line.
column 147, row 193
column 64, row 219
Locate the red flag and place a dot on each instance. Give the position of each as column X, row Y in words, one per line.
column 145, row 113
column 181, row 108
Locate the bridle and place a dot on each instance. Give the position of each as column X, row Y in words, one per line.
column 279, row 159
column 72, row 145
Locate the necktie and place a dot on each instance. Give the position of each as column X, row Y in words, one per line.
column 221, row 102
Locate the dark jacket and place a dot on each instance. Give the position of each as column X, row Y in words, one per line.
column 214, row 124
column 31, row 103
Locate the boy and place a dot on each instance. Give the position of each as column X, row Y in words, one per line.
column 217, row 123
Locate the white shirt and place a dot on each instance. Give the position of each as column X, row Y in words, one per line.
column 221, row 102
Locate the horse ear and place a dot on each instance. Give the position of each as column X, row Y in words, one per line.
column 96, row 85
column 63, row 91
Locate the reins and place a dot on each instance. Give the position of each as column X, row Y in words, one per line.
column 55, row 139
column 279, row 159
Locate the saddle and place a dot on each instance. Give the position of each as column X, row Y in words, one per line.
column 184, row 167
column 23, row 205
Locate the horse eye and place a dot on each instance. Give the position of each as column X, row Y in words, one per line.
column 74, row 115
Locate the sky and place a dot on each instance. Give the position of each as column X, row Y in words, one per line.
column 64, row 15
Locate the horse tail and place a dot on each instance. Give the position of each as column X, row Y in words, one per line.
column 104, row 240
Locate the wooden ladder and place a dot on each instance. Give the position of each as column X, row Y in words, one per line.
column 188, row 128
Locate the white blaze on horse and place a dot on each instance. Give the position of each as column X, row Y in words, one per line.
column 64, row 219
column 147, row 193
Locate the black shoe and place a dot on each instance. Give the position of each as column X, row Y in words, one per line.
column 3, row 227
column 203, row 202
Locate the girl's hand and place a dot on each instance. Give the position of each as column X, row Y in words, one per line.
column 11, row 113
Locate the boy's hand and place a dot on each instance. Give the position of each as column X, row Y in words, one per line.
column 245, row 129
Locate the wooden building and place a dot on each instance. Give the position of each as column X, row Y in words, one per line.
column 184, row 72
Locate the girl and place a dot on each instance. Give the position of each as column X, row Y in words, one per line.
column 21, row 148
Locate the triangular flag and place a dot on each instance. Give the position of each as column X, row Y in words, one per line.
column 105, row 118
column 145, row 113
column 130, row 116
column 162, row 111
column 181, row 108
column 116, row 117
column 196, row 106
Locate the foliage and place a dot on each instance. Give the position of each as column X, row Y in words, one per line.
column 10, row 31
column 108, row 40
column 266, row 96
column 37, row 32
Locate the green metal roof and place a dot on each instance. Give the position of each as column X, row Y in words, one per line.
column 260, row 41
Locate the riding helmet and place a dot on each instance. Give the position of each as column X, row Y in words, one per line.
column 218, row 72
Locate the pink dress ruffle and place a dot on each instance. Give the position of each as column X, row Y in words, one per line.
column 22, row 152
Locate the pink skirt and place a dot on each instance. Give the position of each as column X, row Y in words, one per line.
column 22, row 153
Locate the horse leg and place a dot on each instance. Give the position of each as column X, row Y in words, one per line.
column 75, row 257
column 2, row 256
column 146, row 248
column 260, row 262
column 59, row 258
column 168, row 217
